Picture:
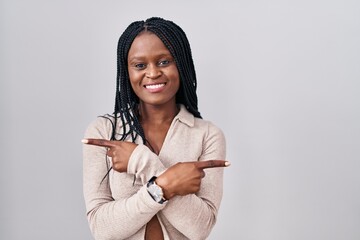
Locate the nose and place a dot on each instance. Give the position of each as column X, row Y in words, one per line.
column 153, row 71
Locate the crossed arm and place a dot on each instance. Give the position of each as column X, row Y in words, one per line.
column 121, row 218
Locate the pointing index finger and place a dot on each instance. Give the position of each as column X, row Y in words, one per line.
column 98, row 142
column 212, row 164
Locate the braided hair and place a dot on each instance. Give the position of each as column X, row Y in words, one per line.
column 126, row 101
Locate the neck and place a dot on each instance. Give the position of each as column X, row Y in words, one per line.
column 157, row 114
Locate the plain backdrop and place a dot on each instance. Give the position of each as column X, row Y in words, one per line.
column 280, row 78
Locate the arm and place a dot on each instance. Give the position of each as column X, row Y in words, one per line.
column 201, row 208
column 109, row 218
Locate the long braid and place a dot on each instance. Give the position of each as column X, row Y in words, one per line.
column 124, row 100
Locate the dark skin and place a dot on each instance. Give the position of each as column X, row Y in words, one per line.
column 155, row 80
column 156, row 125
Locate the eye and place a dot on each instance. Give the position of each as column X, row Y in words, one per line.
column 164, row 62
column 139, row 66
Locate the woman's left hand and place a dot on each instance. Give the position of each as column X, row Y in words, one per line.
column 119, row 151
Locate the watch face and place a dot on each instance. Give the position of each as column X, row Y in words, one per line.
column 156, row 192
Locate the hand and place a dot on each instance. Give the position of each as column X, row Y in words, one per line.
column 119, row 151
column 185, row 178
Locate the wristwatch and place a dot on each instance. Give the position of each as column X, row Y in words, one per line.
column 155, row 191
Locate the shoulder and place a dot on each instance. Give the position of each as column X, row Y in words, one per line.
column 213, row 142
column 209, row 128
column 102, row 127
column 199, row 125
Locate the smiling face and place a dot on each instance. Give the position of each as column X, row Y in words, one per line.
column 153, row 74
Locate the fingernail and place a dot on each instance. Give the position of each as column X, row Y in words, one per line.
column 84, row 140
column 227, row 164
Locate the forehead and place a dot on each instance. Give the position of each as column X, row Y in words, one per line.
column 147, row 43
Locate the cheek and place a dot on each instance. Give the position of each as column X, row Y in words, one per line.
column 134, row 78
column 175, row 76
column 177, row 82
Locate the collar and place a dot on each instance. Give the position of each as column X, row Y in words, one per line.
column 185, row 116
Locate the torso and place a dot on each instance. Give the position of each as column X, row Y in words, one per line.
column 175, row 147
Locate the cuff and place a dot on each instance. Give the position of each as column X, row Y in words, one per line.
column 144, row 164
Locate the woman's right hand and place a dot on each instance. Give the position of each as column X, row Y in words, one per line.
column 119, row 151
column 185, row 177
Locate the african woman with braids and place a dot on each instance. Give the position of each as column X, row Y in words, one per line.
column 144, row 165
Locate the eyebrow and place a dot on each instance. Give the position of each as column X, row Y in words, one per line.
column 139, row 57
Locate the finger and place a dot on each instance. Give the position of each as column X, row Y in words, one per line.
column 99, row 142
column 110, row 153
column 212, row 164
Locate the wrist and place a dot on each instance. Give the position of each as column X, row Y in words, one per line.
column 155, row 191
column 163, row 183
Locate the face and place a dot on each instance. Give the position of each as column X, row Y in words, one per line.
column 153, row 74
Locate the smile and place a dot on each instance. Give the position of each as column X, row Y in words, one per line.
column 154, row 86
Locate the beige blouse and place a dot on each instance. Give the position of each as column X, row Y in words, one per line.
column 120, row 207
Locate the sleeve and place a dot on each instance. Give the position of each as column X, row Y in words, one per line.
column 144, row 164
column 109, row 218
column 201, row 208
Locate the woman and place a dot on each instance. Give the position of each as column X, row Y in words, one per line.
column 144, row 165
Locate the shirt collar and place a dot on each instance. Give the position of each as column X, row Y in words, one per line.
column 185, row 116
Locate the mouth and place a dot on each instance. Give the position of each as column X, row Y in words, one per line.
column 154, row 86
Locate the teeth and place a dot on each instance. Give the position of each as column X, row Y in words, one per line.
column 155, row 86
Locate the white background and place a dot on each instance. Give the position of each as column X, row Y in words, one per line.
column 281, row 78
